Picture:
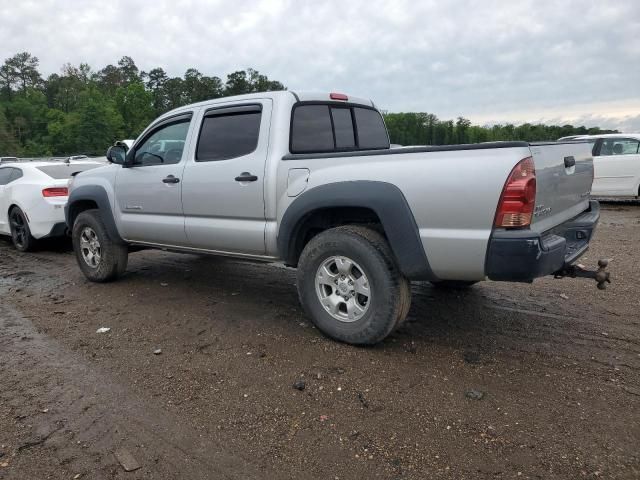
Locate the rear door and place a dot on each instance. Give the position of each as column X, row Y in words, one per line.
column 564, row 174
column 148, row 191
column 223, row 188
column 616, row 167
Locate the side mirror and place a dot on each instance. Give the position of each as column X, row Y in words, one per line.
column 117, row 154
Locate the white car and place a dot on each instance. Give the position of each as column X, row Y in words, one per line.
column 32, row 198
column 616, row 164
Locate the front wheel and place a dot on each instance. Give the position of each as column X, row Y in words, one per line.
column 350, row 285
column 20, row 232
column 98, row 256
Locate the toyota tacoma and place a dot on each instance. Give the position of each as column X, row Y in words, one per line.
column 310, row 180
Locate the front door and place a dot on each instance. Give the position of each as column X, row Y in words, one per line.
column 148, row 188
column 223, row 191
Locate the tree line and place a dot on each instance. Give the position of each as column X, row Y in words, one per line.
column 84, row 111
column 427, row 129
column 81, row 110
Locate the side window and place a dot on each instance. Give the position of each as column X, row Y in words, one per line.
column 164, row 146
column 16, row 174
column 225, row 136
column 372, row 133
column 619, row 146
column 311, row 129
column 625, row 146
column 5, row 175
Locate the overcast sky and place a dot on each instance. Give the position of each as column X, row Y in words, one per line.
column 490, row 61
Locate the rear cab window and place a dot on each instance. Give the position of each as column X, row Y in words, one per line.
column 323, row 127
column 67, row 170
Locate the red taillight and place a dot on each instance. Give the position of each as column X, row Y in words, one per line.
column 518, row 198
column 338, row 96
column 55, row 192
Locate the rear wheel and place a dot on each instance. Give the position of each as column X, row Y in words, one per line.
column 350, row 285
column 98, row 256
column 20, row 232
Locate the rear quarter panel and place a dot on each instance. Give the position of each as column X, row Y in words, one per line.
column 26, row 193
column 452, row 194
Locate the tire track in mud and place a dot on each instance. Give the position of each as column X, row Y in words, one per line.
column 85, row 416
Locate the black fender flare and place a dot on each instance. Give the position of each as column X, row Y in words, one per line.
column 99, row 196
column 388, row 203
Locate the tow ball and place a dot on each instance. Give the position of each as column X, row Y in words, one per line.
column 601, row 276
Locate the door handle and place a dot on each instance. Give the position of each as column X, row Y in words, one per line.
column 569, row 162
column 170, row 179
column 246, row 177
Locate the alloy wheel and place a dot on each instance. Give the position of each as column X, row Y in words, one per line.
column 343, row 288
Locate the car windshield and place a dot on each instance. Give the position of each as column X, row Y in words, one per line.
column 67, row 170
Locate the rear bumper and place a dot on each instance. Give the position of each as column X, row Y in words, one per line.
column 522, row 255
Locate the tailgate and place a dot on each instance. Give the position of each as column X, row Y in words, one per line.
column 564, row 174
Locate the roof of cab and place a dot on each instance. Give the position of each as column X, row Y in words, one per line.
column 293, row 96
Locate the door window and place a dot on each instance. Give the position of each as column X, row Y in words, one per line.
column 164, row 146
column 619, row 146
column 226, row 136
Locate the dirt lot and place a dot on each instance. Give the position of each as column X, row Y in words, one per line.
column 557, row 364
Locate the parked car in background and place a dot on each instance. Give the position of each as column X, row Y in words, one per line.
column 33, row 194
column 616, row 163
column 310, row 180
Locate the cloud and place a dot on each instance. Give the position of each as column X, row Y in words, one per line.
column 488, row 59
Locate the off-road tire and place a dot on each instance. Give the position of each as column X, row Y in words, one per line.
column 114, row 256
column 21, row 237
column 390, row 291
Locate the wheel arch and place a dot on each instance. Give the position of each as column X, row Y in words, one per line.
column 16, row 204
column 368, row 202
column 88, row 197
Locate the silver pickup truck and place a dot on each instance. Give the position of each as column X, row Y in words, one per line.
column 310, row 180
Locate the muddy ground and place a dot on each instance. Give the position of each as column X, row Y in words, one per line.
column 556, row 364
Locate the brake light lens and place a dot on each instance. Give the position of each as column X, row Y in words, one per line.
column 338, row 96
column 55, row 192
column 518, row 198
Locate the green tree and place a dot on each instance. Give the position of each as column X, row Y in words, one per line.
column 198, row 87
column 155, row 82
column 9, row 145
column 19, row 72
column 135, row 105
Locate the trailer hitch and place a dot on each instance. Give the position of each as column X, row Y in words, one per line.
column 601, row 276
